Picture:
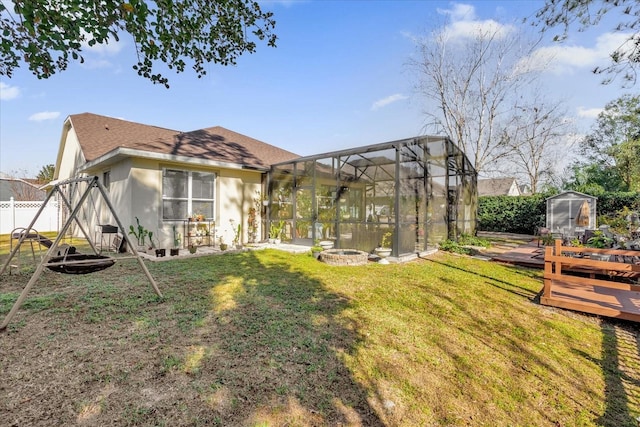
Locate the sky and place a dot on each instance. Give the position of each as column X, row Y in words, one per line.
column 339, row 78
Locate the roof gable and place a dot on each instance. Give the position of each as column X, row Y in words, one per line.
column 497, row 186
column 99, row 135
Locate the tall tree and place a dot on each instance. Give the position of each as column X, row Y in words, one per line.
column 612, row 150
column 625, row 59
column 615, row 140
column 47, row 34
column 478, row 83
column 535, row 138
column 592, row 178
column 46, row 174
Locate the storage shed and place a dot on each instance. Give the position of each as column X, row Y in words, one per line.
column 569, row 211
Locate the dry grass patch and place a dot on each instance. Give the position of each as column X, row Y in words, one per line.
column 268, row 338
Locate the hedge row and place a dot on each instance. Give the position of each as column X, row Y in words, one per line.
column 523, row 214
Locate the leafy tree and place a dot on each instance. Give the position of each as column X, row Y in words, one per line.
column 585, row 13
column 614, row 143
column 593, row 178
column 46, row 174
column 47, row 34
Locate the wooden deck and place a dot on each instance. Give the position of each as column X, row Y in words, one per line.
column 529, row 254
column 604, row 288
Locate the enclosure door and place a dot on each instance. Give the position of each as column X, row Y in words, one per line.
column 303, row 233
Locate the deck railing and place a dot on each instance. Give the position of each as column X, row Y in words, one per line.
column 578, row 278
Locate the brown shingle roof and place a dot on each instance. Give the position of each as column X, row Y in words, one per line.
column 98, row 135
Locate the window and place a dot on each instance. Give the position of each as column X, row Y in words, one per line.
column 106, row 179
column 187, row 192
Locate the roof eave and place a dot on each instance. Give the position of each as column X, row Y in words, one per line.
column 122, row 153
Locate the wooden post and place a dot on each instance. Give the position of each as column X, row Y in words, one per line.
column 548, row 271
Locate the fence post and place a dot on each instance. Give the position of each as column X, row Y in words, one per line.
column 12, row 208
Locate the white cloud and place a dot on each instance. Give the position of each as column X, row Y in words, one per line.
column 94, row 64
column 110, row 48
column 8, row 92
column 97, row 56
column 590, row 113
column 45, row 115
column 567, row 58
column 388, row 100
column 464, row 23
column 459, row 12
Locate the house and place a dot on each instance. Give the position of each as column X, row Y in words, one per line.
column 163, row 176
column 419, row 191
column 22, row 189
column 498, row 187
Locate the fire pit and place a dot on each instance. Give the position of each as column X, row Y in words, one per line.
column 344, row 257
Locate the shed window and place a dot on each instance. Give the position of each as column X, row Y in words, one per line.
column 187, row 192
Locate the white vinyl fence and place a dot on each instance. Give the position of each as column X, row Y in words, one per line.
column 20, row 214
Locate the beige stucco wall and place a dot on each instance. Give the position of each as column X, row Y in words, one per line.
column 71, row 159
column 142, row 197
column 236, row 190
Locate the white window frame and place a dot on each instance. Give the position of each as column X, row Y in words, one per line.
column 189, row 197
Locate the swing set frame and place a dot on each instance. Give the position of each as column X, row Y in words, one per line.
column 52, row 258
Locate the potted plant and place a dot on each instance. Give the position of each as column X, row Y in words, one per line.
column 140, row 234
column 326, row 244
column 192, row 248
column 275, row 232
column 236, row 236
column 316, row 249
column 599, row 240
column 223, row 245
column 384, row 250
column 177, row 237
column 153, row 246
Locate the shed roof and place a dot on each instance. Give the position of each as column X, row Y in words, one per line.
column 573, row 194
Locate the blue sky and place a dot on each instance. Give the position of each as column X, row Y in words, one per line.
column 338, row 79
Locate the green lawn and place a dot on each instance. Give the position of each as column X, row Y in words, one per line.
column 267, row 338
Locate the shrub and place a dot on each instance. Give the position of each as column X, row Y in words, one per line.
column 452, row 246
column 522, row 214
column 469, row 240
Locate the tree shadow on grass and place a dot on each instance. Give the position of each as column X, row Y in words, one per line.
column 268, row 350
column 620, row 361
column 620, row 365
column 242, row 340
column 513, row 288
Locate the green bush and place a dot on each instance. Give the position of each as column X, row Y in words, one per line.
column 524, row 214
column 452, row 246
column 609, row 204
column 468, row 240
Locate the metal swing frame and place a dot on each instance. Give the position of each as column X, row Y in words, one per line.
column 52, row 259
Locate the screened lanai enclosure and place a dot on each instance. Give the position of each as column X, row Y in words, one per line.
column 415, row 192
